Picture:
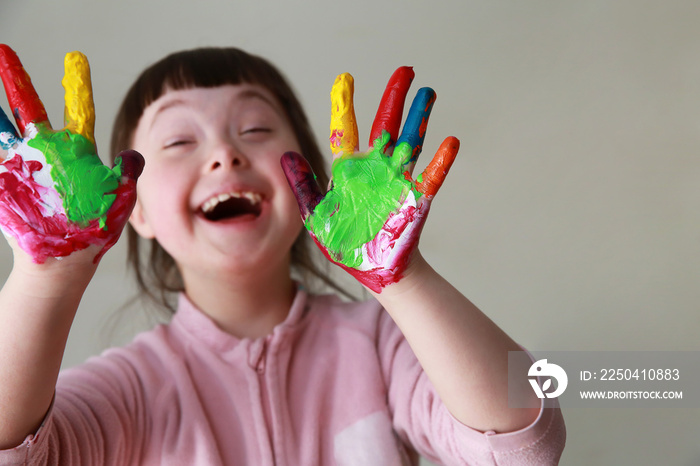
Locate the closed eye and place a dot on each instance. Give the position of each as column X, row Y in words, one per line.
column 177, row 143
column 256, row 134
column 260, row 129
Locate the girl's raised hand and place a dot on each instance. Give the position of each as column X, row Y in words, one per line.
column 370, row 220
column 56, row 196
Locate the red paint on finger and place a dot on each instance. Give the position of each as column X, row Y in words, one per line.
column 391, row 106
column 23, row 99
column 423, row 127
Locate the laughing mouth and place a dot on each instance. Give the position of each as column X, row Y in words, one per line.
column 232, row 205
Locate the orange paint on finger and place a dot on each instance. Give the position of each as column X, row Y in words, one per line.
column 434, row 174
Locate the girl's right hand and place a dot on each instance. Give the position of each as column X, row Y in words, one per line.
column 56, row 196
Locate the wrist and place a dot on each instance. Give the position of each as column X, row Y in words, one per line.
column 55, row 277
column 415, row 274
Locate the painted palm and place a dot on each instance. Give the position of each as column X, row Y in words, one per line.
column 370, row 220
column 56, row 196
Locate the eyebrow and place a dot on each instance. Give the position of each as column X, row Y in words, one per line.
column 165, row 106
column 252, row 94
column 247, row 94
column 255, row 94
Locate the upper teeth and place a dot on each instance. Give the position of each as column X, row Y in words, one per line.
column 208, row 206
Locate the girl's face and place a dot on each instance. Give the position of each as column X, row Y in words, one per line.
column 213, row 192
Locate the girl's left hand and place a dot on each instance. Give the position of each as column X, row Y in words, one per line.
column 370, row 220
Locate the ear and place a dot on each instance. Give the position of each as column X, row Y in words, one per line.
column 140, row 223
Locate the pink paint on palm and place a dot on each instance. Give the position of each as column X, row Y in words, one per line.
column 42, row 231
column 380, row 249
column 387, row 256
column 24, row 215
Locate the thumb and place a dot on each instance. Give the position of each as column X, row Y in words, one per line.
column 132, row 164
column 302, row 180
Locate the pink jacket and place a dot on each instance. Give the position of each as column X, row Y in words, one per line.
column 335, row 384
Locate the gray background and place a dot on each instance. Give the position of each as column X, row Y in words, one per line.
column 572, row 215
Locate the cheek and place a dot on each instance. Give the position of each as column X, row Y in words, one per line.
column 163, row 193
column 164, row 179
column 291, row 212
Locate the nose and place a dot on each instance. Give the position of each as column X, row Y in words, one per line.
column 226, row 155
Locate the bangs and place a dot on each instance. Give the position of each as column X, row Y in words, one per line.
column 208, row 67
column 204, row 67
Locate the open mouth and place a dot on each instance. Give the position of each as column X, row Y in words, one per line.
column 232, row 205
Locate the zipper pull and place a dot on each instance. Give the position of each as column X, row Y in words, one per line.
column 260, row 365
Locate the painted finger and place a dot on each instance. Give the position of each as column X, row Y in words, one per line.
column 302, row 180
column 80, row 109
column 8, row 135
column 433, row 176
column 344, row 135
column 410, row 143
column 24, row 101
column 391, row 106
column 131, row 163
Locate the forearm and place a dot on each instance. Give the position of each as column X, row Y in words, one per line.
column 37, row 307
column 462, row 351
column 57, row 198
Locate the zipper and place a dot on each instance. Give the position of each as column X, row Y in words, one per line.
column 260, row 365
column 260, row 368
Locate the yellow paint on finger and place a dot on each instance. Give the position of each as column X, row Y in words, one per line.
column 344, row 136
column 80, row 109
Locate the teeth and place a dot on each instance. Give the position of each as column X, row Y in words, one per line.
column 208, row 206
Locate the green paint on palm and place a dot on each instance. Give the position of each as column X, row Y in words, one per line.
column 82, row 181
column 367, row 188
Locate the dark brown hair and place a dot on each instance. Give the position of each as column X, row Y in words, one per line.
column 155, row 270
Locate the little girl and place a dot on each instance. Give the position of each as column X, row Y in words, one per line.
column 253, row 368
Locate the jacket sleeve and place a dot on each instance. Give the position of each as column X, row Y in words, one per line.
column 422, row 421
column 96, row 418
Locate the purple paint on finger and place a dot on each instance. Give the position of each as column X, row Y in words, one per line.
column 302, row 180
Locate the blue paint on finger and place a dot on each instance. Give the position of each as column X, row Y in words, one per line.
column 416, row 124
column 8, row 135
